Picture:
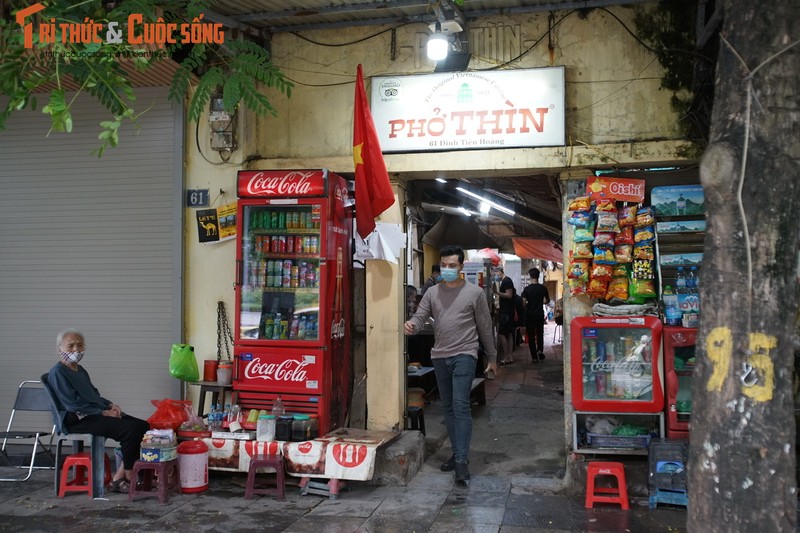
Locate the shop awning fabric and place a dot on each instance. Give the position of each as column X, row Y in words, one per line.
column 538, row 249
column 458, row 231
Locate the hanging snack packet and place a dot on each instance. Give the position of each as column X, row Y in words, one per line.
column 641, row 289
column 617, row 289
column 620, row 271
column 580, row 219
column 581, row 203
column 606, row 205
column 627, row 216
column 604, row 240
column 622, row 253
column 607, row 222
column 625, row 235
column 604, row 256
column 643, row 251
column 579, row 269
column 642, row 269
column 602, row 272
column 577, row 287
column 644, row 235
column 644, row 217
column 582, row 250
column 584, row 234
column 597, row 288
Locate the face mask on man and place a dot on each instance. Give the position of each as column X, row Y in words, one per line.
column 450, row 274
column 72, row 357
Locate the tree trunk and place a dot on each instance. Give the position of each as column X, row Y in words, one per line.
column 742, row 443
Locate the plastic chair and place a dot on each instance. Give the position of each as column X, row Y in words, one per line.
column 31, row 398
column 169, row 478
column 97, row 446
column 81, row 463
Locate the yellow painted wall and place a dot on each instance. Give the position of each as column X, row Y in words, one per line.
column 615, row 110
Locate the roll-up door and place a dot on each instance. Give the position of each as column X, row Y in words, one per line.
column 93, row 244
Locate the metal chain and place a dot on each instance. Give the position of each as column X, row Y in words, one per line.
column 223, row 332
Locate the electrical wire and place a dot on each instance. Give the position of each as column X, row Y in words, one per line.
column 361, row 40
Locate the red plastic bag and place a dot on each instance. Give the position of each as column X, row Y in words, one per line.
column 170, row 414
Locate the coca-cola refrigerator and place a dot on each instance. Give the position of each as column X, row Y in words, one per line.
column 293, row 311
column 679, row 358
column 616, row 364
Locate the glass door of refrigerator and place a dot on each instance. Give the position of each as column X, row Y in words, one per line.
column 280, row 293
column 683, row 363
column 617, row 364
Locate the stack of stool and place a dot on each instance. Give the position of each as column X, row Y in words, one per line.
column 81, row 463
column 667, row 480
column 595, row 494
column 262, row 461
column 168, row 478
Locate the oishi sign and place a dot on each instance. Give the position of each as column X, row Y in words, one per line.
column 470, row 110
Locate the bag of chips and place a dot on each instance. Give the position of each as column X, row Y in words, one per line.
column 642, row 269
column 605, row 205
column 607, row 222
column 581, row 203
column 597, row 288
column 601, row 272
column 617, row 289
column 577, row 287
column 580, row 219
column 644, row 235
column 604, row 240
column 643, row 251
column 603, row 256
column 625, row 235
column 627, row 216
column 579, row 269
column 620, row 270
column 582, row 250
column 584, row 234
column 644, row 217
column 642, row 289
column 622, row 253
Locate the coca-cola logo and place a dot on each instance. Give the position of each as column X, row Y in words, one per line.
column 631, row 367
column 291, row 184
column 337, row 329
column 289, row 370
column 253, row 448
column 340, row 194
column 218, row 443
column 304, row 447
column 349, row 455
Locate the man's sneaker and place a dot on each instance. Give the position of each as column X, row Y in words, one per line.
column 462, row 473
column 449, row 465
column 540, row 355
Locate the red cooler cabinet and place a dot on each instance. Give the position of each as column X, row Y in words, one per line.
column 679, row 353
column 293, row 301
column 616, row 364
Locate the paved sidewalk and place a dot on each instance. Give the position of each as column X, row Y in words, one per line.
column 517, row 463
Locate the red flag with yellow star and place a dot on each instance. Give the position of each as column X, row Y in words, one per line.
column 373, row 192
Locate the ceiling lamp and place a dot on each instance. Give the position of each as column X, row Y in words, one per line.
column 437, row 44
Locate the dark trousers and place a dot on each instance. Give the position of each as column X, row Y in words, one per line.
column 534, row 327
column 128, row 431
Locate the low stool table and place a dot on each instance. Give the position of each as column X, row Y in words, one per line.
column 168, row 478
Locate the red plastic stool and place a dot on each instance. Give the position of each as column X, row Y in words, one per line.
column 82, row 474
column 169, row 478
column 618, row 494
column 261, row 461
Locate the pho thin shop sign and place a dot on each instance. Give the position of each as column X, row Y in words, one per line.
column 470, row 110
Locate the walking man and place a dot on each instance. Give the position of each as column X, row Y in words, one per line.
column 535, row 296
column 461, row 323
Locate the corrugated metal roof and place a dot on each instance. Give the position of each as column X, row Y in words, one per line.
column 282, row 16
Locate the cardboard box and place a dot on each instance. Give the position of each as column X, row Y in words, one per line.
column 158, row 454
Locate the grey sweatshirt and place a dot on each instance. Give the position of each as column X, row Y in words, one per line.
column 460, row 317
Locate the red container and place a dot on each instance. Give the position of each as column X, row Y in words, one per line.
column 193, row 466
column 210, row 370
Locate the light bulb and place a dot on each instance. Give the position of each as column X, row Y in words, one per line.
column 437, row 44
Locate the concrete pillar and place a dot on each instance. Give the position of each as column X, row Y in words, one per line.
column 385, row 302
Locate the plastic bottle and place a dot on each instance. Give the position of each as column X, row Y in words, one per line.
column 235, row 414
column 672, row 311
column 276, row 329
column 226, row 415
column 212, row 417
column 265, row 428
column 277, row 407
column 692, row 283
column 294, row 328
column 680, row 281
column 301, row 329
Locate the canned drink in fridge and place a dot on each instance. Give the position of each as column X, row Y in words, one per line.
column 600, row 384
column 298, row 245
column 282, row 220
column 290, row 243
column 601, row 350
column 294, row 273
column 302, row 272
column 592, row 350
column 295, row 219
column 273, row 216
column 611, row 353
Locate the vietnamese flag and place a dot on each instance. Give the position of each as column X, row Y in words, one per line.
column 373, row 192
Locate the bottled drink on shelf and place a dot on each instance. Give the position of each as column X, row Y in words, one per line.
column 276, row 327
column 672, row 311
column 235, row 414
column 226, row 415
column 277, row 407
column 692, row 285
column 294, row 328
column 680, row 281
column 301, row 328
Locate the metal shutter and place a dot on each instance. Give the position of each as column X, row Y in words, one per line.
column 94, row 244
